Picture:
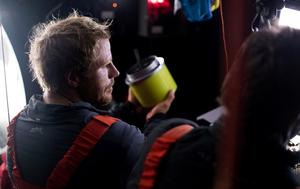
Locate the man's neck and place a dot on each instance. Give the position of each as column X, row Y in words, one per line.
column 59, row 98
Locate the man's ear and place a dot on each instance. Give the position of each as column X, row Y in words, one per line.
column 73, row 79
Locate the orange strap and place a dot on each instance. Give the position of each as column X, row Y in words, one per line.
column 66, row 167
column 17, row 178
column 83, row 144
column 157, row 152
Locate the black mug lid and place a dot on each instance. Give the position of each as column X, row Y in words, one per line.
column 143, row 69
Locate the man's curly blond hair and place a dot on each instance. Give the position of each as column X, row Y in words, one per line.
column 62, row 46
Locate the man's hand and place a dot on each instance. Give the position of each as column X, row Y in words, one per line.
column 163, row 106
column 132, row 99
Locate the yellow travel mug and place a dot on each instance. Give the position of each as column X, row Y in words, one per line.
column 150, row 81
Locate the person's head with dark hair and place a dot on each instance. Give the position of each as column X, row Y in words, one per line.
column 263, row 82
column 261, row 97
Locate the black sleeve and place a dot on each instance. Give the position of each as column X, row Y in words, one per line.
column 127, row 112
column 153, row 122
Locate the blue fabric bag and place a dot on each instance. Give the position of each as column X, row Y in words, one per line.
column 196, row 10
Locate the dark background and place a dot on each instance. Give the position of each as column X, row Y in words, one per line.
column 193, row 52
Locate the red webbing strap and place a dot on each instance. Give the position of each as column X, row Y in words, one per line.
column 83, row 144
column 17, row 182
column 157, row 152
column 4, row 178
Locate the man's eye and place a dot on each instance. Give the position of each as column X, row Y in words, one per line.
column 108, row 63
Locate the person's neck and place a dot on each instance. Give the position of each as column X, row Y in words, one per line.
column 59, row 98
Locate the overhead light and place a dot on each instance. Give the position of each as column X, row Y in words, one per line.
column 290, row 14
column 114, row 5
column 289, row 17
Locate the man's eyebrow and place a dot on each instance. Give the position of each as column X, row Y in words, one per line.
column 109, row 62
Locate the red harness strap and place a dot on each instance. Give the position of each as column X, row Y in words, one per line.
column 157, row 152
column 17, row 178
column 66, row 167
column 4, row 178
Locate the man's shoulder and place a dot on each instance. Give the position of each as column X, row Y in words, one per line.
column 105, row 120
column 118, row 129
